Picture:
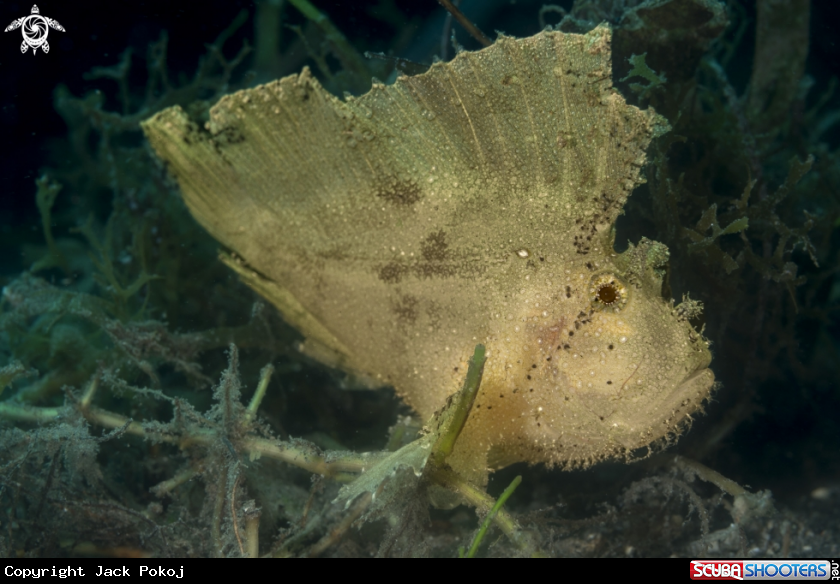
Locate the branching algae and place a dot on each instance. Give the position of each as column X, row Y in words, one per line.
column 474, row 203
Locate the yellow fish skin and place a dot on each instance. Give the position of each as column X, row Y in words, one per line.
column 474, row 203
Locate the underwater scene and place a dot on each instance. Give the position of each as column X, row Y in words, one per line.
column 420, row 278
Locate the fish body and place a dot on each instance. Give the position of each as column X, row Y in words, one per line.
column 474, row 203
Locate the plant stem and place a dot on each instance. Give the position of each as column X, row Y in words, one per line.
column 221, row 495
column 265, row 378
column 465, row 22
column 342, row 468
column 484, row 503
column 349, row 57
column 491, row 516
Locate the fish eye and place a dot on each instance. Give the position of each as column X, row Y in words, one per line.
column 608, row 292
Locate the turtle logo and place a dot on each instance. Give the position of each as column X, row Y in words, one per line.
column 35, row 28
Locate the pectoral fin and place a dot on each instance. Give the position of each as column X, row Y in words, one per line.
column 292, row 310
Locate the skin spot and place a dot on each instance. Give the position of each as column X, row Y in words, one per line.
column 398, row 192
column 406, row 310
column 392, row 273
column 434, row 247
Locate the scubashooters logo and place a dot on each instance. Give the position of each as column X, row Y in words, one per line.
column 35, row 29
column 761, row 570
